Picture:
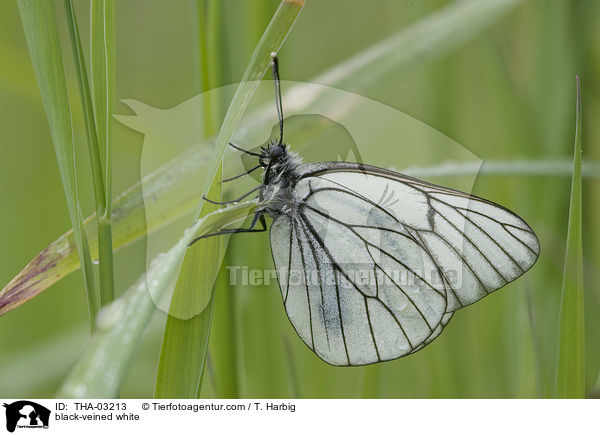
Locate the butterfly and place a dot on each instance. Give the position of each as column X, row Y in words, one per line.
column 372, row 263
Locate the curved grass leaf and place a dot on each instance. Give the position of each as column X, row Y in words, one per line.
column 435, row 35
column 570, row 371
column 181, row 366
column 223, row 346
column 184, row 346
column 60, row 258
column 103, row 82
column 371, row 385
column 541, row 371
column 185, row 340
column 41, row 34
column 86, row 103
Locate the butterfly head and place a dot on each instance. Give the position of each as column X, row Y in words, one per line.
column 279, row 162
column 273, row 154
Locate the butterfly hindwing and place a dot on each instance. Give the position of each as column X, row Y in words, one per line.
column 353, row 300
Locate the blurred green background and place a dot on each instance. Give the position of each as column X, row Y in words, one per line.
column 508, row 93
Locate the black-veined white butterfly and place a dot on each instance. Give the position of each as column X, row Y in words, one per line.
column 372, row 263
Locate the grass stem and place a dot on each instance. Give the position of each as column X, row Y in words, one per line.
column 570, row 371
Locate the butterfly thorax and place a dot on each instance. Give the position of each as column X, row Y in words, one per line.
column 279, row 178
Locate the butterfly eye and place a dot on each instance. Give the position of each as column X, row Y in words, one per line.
column 276, row 152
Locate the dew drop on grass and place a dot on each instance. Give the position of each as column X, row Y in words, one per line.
column 64, row 246
column 157, row 260
column 110, row 314
column 80, row 390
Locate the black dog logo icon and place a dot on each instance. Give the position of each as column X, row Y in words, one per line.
column 33, row 415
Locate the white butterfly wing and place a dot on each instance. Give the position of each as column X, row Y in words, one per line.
column 480, row 246
column 338, row 299
column 374, row 263
column 437, row 332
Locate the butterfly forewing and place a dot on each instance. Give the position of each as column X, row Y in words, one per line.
column 480, row 246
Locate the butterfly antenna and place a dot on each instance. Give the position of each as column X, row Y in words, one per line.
column 278, row 104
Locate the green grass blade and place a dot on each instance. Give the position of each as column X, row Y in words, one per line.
column 276, row 32
column 87, row 105
column 181, row 368
column 295, row 389
column 223, row 340
column 540, row 167
column 211, row 46
column 541, row 371
column 41, row 33
column 430, row 38
column 371, row 388
column 102, row 68
column 570, row 371
column 185, row 341
column 168, row 192
column 99, row 371
column 595, row 394
column 205, row 76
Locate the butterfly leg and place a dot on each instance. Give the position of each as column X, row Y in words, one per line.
column 232, row 201
column 252, row 153
column 257, row 217
column 242, row 174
